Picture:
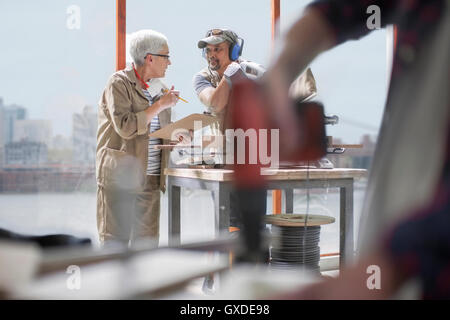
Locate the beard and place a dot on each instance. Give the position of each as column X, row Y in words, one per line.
column 214, row 64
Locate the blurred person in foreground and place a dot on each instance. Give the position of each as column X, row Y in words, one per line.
column 130, row 173
column 406, row 215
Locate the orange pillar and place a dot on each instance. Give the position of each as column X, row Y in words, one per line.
column 395, row 38
column 121, row 33
column 275, row 16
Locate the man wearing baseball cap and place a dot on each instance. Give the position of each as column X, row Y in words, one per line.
column 222, row 49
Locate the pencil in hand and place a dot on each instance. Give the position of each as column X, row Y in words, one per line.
column 167, row 90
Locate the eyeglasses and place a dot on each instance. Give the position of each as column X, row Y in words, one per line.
column 159, row 55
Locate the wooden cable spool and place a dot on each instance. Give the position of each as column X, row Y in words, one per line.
column 298, row 220
column 295, row 241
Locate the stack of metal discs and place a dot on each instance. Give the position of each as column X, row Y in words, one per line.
column 295, row 247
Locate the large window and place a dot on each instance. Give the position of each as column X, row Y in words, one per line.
column 57, row 57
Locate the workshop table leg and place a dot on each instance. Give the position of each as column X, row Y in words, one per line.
column 221, row 209
column 346, row 245
column 289, row 200
column 174, row 214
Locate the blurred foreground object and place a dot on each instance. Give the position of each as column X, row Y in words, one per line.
column 410, row 169
column 45, row 241
column 19, row 262
column 249, row 115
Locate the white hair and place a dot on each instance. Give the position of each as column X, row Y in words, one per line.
column 143, row 42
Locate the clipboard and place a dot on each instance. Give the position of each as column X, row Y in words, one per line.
column 186, row 123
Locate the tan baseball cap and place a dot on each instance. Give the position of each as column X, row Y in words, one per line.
column 216, row 36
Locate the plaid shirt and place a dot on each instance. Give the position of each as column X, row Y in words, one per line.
column 420, row 245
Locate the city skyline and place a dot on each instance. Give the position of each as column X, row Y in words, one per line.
column 26, row 124
column 31, row 142
column 94, row 111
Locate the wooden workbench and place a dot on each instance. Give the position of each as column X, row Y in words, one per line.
column 219, row 181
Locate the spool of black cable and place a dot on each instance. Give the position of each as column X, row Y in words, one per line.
column 295, row 242
column 288, row 251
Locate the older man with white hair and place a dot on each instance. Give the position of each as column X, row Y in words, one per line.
column 129, row 172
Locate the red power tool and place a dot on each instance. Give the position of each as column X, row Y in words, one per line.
column 249, row 110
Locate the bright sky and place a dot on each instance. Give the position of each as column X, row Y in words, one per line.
column 54, row 71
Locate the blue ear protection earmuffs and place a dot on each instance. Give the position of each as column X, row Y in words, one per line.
column 235, row 50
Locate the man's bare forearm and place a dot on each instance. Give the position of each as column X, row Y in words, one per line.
column 307, row 38
column 216, row 98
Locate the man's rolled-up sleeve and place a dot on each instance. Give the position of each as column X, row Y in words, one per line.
column 127, row 124
column 200, row 83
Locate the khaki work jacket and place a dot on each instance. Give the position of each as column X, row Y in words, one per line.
column 122, row 135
